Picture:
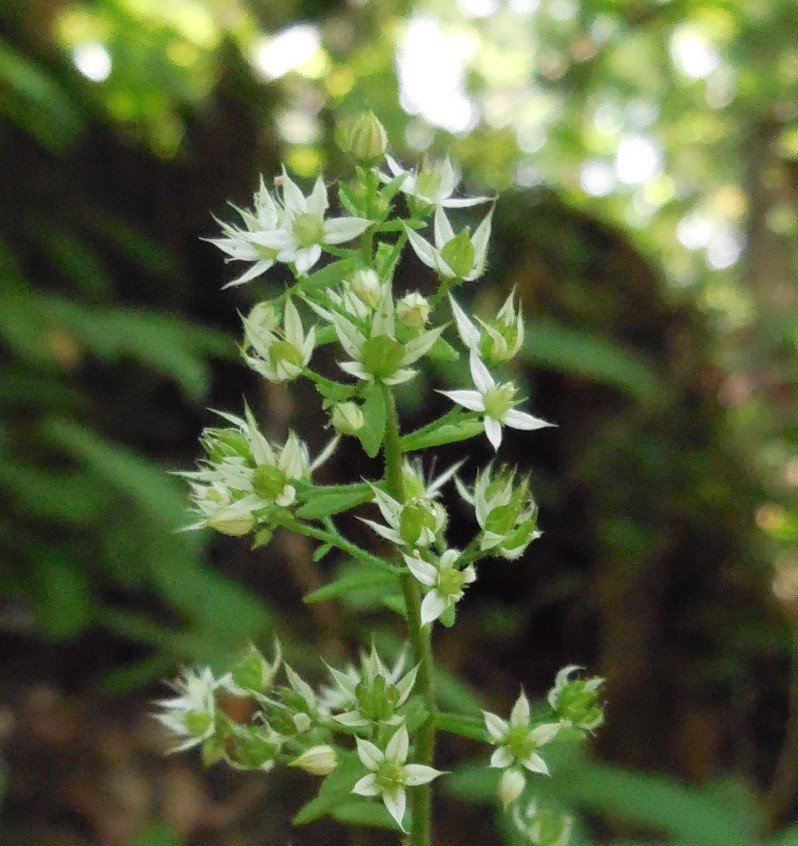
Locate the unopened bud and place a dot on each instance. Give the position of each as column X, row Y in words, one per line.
column 413, row 310
column 365, row 139
column 228, row 521
column 347, row 418
column 511, row 785
column 366, row 287
column 318, row 760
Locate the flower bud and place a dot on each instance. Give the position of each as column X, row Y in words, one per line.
column 575, row 701
column 511, row 785
column 230, row 521
column 366, row 287
column 365, row 139
column 459, row 254
column 318, row 760
column 413, row 310
column 347, row 418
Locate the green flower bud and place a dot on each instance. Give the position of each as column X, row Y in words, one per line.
column 511, row 785
column 347, row 418
column 365, row 139
column 268, row 481
column 253, row 671
column 366, row 287
column 227, row 522
column 414, row 520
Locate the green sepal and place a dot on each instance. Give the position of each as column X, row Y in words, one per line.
column 263, row 537
column 373, row 431
column 396, row 603
column 442, row 350
column 349, row 200
column 322, row 552
column 332, row 391
column 320, row 502
column 351, row 583
column 454, row 426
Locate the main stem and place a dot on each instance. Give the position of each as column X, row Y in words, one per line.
column 421, row 796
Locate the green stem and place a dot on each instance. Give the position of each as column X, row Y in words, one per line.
column 420, row 797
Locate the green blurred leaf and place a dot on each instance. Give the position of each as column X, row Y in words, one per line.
column 373, row 430
column 353, row 583
column 323, row 502
column 157, row 834
column 452, row 427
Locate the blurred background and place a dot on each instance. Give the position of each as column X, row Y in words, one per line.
column 646, row 157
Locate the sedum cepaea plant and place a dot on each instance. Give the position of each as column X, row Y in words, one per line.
column 370, row 731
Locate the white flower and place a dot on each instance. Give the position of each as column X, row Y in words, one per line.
column 417, row 523
column 543, row 825
column 460, row 256
column 518, row 741
column 495, row 402
column 445, row 580
column 303, row 229
column 191, row 715
column 371, row 694
column 247, row 244
column 433, row 185
column 506, row 512
column 372, row 344
column 389, row 775
column 575, row 701
column 500, row 339
column 279, row 359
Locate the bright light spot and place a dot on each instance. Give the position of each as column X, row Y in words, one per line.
column 92, row 60
column 597, row 178
column 607, row 119
column 724, row 249
column 692, row 53
column 695, row 231
column 562, row 10
column 637, row 160
column 289, row 49
column 432, row 69
column 642, row 112
column 527, row 176
column 298, row 127
column 419, row 135
column 478, row 8
column 524, row 7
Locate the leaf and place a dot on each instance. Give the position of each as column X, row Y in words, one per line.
column 157, row 834
column 788, row 837
column 442, row 350
column 324, row 502
column 452, row 427
column 335, row 789
column 357, row 811
column 327, row 277
column 556, row 347
column 373, row 430
column 352, row 583
column 470, row 727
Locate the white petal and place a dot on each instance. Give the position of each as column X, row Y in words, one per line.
column 356, row 369
column 519, row 716
column 472, row 400
column 397, row 747
column 294, row 199
column 422, row 249
column 395, row 801
column 501, row 757
column 338, row 230
column 521, row 420
column 317, row 201
column 464, row 202
column 367, row 786
column 535, row 764
column 544, row 733
column 419, row 346
column 465, row 328
column 483, row 381
column 404, row 374
column 370, row 756
column 351, row 719
column 293, row 325
column 422, row 570
column 307, row 257
column 442, row 228
column 420, row 774
column 383, row 531
column 496, row 726
column 448, row 179
column 432, row 607
column 493, row 430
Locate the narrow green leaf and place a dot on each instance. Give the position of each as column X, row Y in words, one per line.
column 470, row 727
column 446, row 430
column 371, row 814
column 352, row 583
column 335, row 789
column 373, row 431
column 324, row 502
column 327, row 277
column 442, row 350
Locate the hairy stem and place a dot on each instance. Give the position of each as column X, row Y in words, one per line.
column 420, row 797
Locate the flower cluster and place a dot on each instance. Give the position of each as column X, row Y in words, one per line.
column 371, row 728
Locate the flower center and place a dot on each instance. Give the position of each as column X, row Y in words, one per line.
column 450, row 582
column 268, row 481
column 499, row 400
column 390, row 776
column 519, row 742
column 308, row 229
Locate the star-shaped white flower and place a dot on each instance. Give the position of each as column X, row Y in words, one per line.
column 495, row 402
column 446, row 582
column 389, row 775
column 518, row 741
column 304, row 229
column 279, row 359
column 246, row 244
column 433, row 185
column 500, row 339
column 454, row 256
column 191, row 714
